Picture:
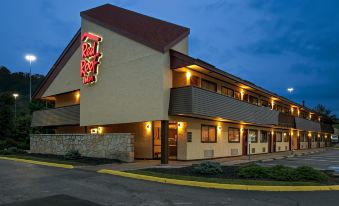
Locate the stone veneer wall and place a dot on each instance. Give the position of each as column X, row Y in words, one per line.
column 118, row 146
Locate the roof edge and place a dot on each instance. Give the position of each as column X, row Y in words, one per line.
column 135, row 37
column 186, row 60
column 58, row 65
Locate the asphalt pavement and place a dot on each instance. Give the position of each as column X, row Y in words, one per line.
column 24, row 184
column 328, row 160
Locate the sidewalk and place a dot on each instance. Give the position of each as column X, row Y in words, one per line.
column 227, row 161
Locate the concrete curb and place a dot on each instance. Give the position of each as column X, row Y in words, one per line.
column 49, row 164
column 219, row 185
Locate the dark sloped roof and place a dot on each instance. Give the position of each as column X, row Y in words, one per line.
column 152, row 32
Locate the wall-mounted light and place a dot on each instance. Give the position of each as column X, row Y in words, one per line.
column 100, row 130
column 242, row 93
column 188, row 74
column 309, row 134
column 272, row 103
column 77, row 95
column 284, row 133
column 94, row 131
column 219, row 127
column 272, row 132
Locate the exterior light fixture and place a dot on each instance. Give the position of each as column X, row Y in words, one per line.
column 100, row 130
column 290, row 89
column 188, row 74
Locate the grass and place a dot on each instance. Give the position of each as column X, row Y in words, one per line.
column 59, row 159
column 224, row 181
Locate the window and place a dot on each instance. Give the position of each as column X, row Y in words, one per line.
column 245, row 97
column 194, row 81
column 253, row 100
column 278, row 137
column 237, row 95
column 208, row 85
column 228, row 92
column 253, row 135
column 286, row 110
column 314, row 138
column 208, row 134
column 303, row 137
column 263, row 136
column 233, row 135
column 264, row 103
column 285, row 136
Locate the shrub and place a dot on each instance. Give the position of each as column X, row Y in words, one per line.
column 308, row 173
column 208, row 168
column 72, row 155
column 282, row 173
column 253, row 171
column 12, row 150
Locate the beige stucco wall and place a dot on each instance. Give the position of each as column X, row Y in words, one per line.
column 68, row 78
column 133, row 85
column 222, row 148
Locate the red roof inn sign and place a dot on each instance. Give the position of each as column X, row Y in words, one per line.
column 90, row 57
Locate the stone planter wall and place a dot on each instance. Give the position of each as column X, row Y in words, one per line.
column 111, row 146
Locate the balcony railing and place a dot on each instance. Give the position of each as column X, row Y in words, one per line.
column 307, row 125
column 194, row 101
column 326, row 128
column 69, row 115
column 286, row 120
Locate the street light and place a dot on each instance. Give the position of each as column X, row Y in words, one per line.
column 290, row 90
column 15, row 95
column 31, row 58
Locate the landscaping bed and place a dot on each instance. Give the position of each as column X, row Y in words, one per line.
column 245, row 174
column 72, row 157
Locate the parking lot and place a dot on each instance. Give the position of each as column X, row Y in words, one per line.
column 328, row 160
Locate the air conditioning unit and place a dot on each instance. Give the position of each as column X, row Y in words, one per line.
column 208, row 153
column 234, row 152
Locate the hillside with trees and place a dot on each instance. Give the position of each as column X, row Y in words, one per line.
column 14, row 131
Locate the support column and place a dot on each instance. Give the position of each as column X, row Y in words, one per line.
column 164, row 141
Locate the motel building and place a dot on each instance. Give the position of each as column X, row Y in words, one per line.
column 126, row 88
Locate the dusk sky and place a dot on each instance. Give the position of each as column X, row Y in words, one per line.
column 275, row 44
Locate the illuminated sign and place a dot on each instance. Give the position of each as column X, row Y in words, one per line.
column 90, row 57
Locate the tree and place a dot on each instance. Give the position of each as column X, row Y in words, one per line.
column 321, row 109
column 6, row 114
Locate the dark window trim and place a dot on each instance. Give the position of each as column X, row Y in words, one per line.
column 216, row 133
column 227, row 89
column 210, row 82
column 228, row 136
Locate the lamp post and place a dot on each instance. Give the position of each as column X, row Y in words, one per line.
column 15, row 95
column 31, row 58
